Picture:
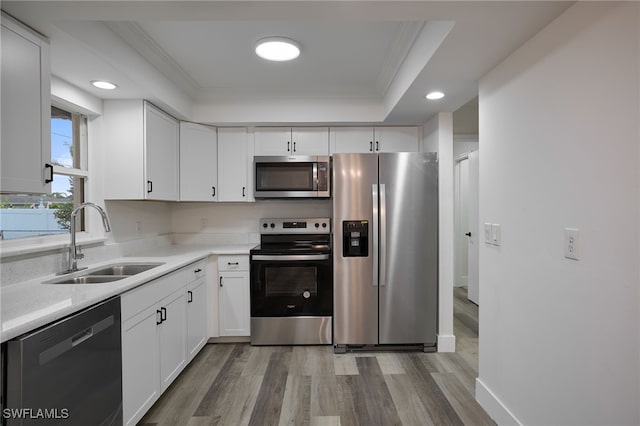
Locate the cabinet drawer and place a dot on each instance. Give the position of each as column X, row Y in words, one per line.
column 140, row 298
column 196, row 270
column 233, row 263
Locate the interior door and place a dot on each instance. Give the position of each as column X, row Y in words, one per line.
column 408, row 248
column 461, row 223
column 473, row 226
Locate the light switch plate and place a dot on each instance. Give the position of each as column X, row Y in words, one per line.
column 496, row 234
column 572, row 242
column 487, row 233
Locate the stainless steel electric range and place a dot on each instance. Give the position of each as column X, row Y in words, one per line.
column 292, row 283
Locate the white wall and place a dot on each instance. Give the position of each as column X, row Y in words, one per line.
column 559, row 339
column 437, row 136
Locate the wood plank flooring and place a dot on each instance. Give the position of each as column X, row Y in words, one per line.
column 240, row 384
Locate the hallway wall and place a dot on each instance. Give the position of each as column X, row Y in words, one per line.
column 559, row 338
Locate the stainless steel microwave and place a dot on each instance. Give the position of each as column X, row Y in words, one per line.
column 292, row 177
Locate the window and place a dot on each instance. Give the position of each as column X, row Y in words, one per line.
column 30, row 215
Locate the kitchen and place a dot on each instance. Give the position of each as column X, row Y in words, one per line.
column 138, row 223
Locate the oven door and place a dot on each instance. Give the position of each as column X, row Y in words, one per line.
column 291, row 285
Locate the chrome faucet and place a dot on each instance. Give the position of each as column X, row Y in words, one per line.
column 74, row 256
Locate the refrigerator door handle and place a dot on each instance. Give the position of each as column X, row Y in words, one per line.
column 383, row 236
column 374, row 196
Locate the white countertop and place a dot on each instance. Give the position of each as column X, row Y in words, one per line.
column 32, row 304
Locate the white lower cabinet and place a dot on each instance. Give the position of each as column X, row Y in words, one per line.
column 233, row 295
column 196, row 317
column 140, row 365
column 172, row 337
column 159, row 334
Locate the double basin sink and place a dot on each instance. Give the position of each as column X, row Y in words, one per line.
column 105, row 274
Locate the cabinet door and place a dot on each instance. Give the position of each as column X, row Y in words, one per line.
column 273, row 141
column 351, row 140
column 198, row 162
column 140, row 383
column 161, row 138
column 232, row 164
column 310, row 141
column 397, row 139
column 196, row 317
column 233, row 298
column 172, row 339
column 26, row 110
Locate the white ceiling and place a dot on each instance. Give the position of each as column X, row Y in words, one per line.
column 361, row 61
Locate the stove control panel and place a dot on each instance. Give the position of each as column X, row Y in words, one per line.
column 295, row 226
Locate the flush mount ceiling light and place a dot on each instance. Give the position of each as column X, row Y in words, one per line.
column 435, row 95
column 277, row 49
column 106, row 85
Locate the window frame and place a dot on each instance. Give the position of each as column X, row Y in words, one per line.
column 43, row 243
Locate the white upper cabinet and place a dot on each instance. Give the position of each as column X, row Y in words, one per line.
column 397, row 139
column 233, row 165
column 351, row 140
column 291, row 141
column 374, row 139
column 198, row 162
column 142, row 151
column 26, row 110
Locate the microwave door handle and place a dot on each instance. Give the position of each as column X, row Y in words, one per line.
column 315, row 176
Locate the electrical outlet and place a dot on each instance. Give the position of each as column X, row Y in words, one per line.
column 487, row 233
column 496, row 234
column 204, row 223
column 572, row 243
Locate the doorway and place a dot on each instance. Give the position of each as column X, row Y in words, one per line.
column 466, row 241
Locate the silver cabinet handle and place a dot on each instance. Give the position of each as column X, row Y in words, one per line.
column 383, row 235
column 375, row 200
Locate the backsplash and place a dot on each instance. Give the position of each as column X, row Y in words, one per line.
column 240, row 218
column 146, row 225
column 26, row 267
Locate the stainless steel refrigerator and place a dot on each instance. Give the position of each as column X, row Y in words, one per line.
column 385, row 212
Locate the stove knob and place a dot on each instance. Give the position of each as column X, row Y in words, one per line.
column 264, row 225
column 273, row 225
column 317, row 225
column 324, row 224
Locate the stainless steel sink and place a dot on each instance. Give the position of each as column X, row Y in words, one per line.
column 124, row 269
column 105, row 274
column 87, row 279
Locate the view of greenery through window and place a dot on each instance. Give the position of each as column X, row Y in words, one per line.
column 28, row 215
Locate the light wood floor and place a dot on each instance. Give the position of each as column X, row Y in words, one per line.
column 239, row 384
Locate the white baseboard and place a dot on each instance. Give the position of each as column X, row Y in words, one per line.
column 446, row 343
column 493, row 406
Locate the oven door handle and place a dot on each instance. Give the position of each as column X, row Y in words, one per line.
column 290, row 257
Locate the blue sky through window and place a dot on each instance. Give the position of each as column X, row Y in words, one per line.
column 61, row 143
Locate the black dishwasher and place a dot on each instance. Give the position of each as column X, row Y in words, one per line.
column 68, row 372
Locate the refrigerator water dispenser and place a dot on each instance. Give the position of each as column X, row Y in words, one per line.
column 355, row 238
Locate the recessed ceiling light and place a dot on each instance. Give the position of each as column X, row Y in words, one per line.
column 106, row 85
column 277, row 49
column 435, row 95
